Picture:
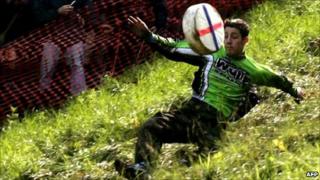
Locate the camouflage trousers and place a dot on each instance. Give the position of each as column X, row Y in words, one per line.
column 194, row 122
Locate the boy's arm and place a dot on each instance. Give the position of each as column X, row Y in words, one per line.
column 269, row 78
column 166, row 46
column 171, row 50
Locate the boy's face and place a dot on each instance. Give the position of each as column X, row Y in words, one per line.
column 234, row 43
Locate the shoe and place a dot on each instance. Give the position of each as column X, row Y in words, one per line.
column 136, row 171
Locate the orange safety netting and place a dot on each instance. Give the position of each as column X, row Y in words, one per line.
column 70, row 55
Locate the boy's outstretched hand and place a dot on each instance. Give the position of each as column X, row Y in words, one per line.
column 138, row 26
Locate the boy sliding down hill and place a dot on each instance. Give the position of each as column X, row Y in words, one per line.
column 220, row 88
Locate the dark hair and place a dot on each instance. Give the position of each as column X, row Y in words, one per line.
column 239, row 24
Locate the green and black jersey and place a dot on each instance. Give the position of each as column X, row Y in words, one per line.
column 221, row 81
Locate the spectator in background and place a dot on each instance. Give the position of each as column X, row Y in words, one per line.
column 8, row 56
column 44, row 11
column 13, row 15
column 160, row 12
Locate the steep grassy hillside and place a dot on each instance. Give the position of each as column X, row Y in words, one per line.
column 278, row 139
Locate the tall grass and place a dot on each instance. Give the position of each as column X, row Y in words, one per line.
column 277, row 140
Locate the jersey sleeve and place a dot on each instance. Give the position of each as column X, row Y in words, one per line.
column 267, row 77
column 175, row 50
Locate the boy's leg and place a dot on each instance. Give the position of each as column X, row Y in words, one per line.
column 195, row 122
column 191, row 123
column 161, row 128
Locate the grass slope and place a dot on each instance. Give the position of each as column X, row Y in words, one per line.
column 277, row 140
